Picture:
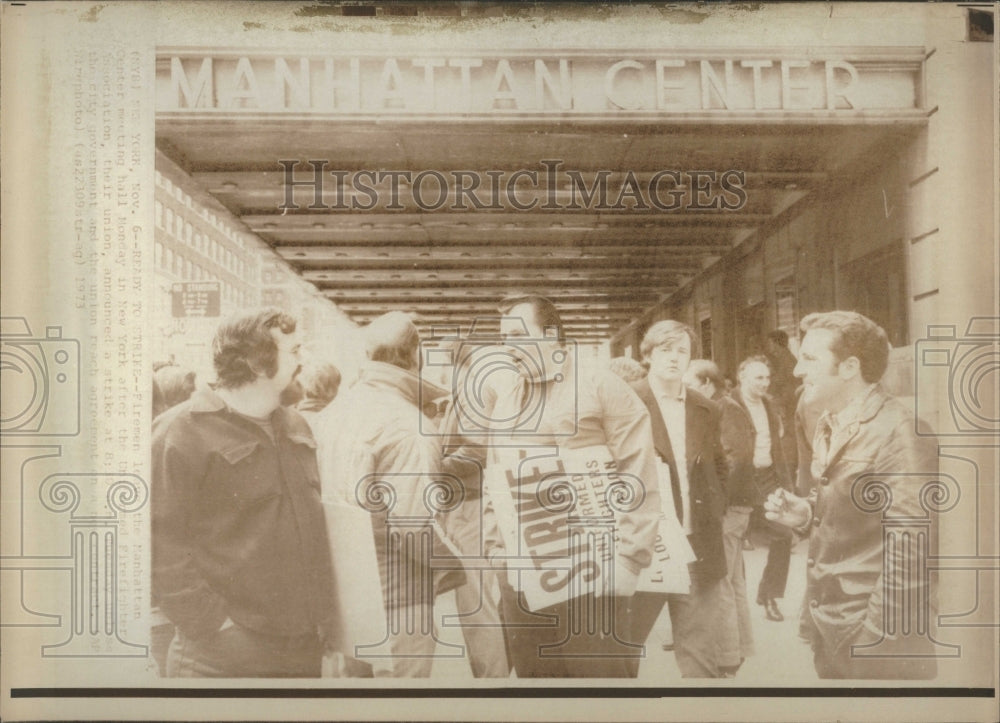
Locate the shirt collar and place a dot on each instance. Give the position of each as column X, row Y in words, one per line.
column 852, row 412
column 206, row 400
column 407, row 384
column 660, row 393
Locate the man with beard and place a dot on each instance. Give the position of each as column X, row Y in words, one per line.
column 241, row 562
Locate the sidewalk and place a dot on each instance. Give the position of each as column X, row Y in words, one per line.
column 781, row 658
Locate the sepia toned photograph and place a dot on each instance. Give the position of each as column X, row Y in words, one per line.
column 485, row 360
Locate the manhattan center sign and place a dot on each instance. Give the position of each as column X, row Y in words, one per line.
column 834, row 81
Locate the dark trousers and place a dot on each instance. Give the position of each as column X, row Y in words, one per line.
column 695, row 621
column 644, row 610
column 567, row 640
column 237, row 652
column 775, row 575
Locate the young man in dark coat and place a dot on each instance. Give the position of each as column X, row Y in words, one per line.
column 686, row 439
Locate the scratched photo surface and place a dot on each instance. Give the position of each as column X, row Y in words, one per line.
column 501, row 361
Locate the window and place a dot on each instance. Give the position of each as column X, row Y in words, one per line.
column 188, row 231
column 158, row 254
column 159, row 214
column 786, row 307
column 875, row 285
column 980, row 25
column 170, row 221
column 706, row 337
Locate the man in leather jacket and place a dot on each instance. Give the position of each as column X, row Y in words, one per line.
column 865, row 449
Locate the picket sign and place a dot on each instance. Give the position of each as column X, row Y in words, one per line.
column 671, row 552
column 553, row 511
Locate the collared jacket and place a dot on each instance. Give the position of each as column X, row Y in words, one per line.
column 739, row 435
column 471, row 526
column 706, row 472
column 238, row 529
column 377, row 432
column 858, row 589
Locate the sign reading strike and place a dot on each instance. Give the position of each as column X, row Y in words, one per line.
column 200, row 298
column 555, row 512
column 569, row 83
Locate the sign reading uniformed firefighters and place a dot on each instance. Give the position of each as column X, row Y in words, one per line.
column 195, row 298
column 555, row 511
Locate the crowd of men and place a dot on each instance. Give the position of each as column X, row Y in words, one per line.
column 300, row 532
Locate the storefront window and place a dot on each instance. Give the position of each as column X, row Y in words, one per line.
column 875, row 285
column 786, row 307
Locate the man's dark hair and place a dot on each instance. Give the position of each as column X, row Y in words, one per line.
column 706, row 370
column 854, row 335
column 778, row 337
column 243, row 347
column 174, row 384
column 545, row 312
column 663, row 331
